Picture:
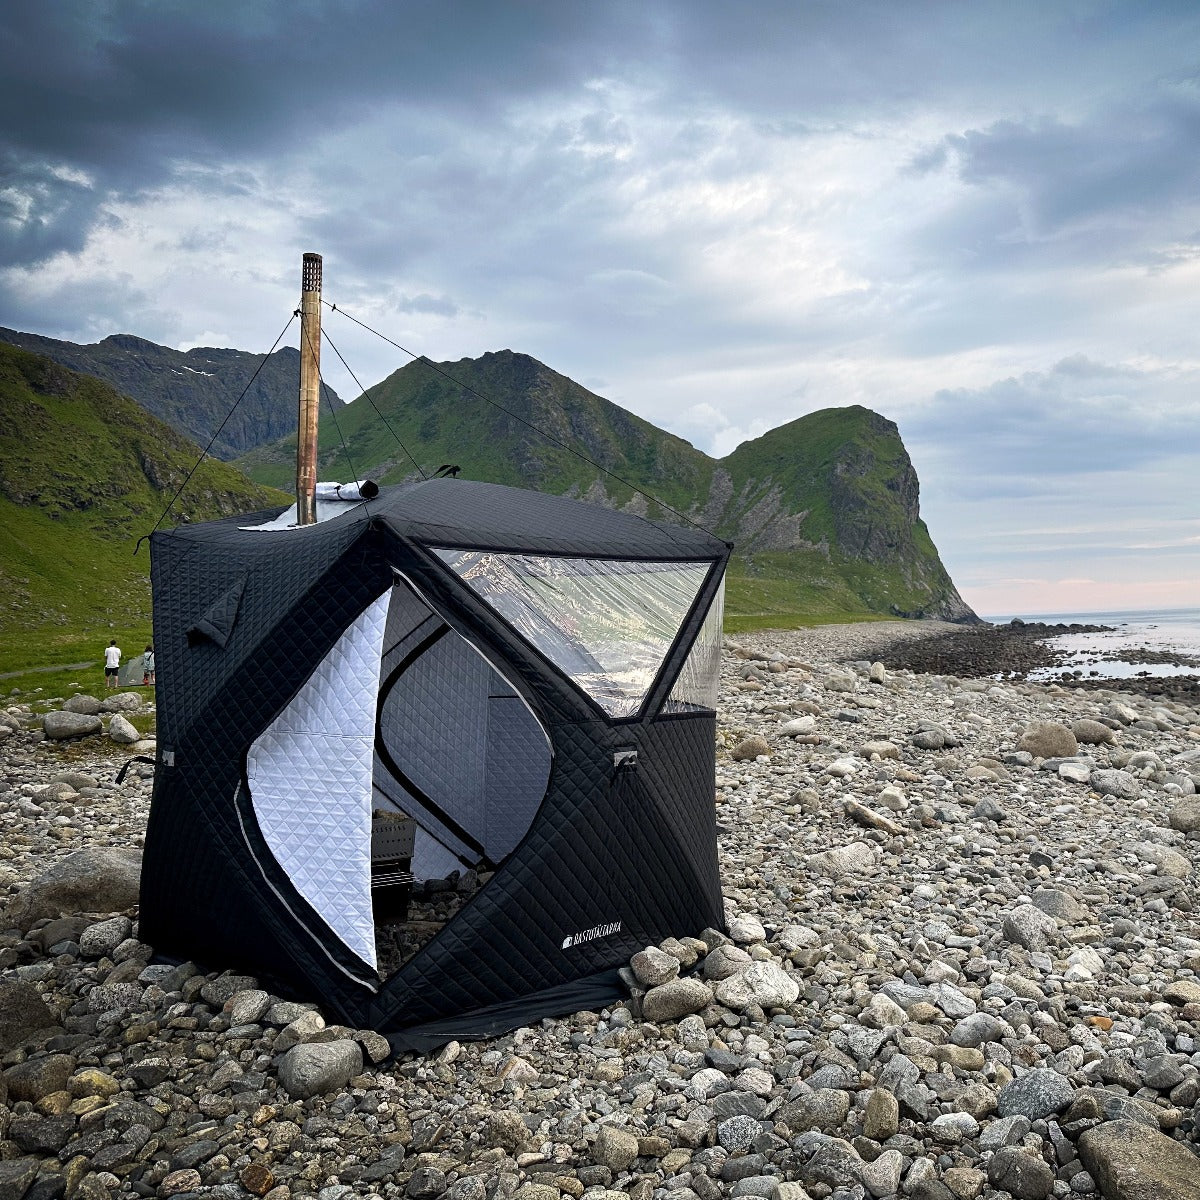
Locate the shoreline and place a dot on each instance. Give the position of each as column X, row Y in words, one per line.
column 995, row 954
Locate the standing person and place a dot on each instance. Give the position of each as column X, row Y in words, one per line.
column 148, row 667
column 112, row 664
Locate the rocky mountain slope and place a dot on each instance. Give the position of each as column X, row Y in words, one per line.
column 192, row 391
column 824, row 511
column 84, row 472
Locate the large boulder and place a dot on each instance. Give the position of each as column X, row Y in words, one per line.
column 1048, row 739
column 63, row 725
column 1115, row 783
column 96, row 880
column 315, row 1068
column 763, row 983
column 1037, row 1094
column 1131, row 1161
column 1029, row 927
column 1185, row 816
column 676, row 998
column 857, row 858
column 122, row 731
column 1092, row 733
column 23, row 1013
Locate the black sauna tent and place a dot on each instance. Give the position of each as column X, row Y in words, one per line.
column 532, row 678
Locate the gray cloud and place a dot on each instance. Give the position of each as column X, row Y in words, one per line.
column 978, row 219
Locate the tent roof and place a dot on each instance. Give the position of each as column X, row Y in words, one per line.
column 489, row 516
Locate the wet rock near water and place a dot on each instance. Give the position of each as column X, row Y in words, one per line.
column 961, row 959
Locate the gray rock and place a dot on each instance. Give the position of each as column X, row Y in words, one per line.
column 738, row 1134
column 98, row 879
column 738, row 1104
column 248, row 1006
column 23, row 1013
column 881, row 1118
column 1091, row 733
column 62, row 725
column 676, row 998
column 1059, row 904
column 615, row 1148
column 316, row 1068
column 745, row 930
column 1048, row 739
column 1029, row 927
column 17, row 1176
column 825, row 1109
column 115, row 997
column 979, row 1028
column 1130, row 1161
column 724, row 962
column 763, row 983
column 102, row 939
column 882, row 1177
column 1021, row 1175
column 507, row 1129
column 1007, row 1131
column 1185, row 816
column 929, row 739
column 89, row 706
column 1116, row 783
column 424, row 1183
column 652, row 967
column 122, row 731
column 1168, row 861
column 853, row 859
column 952, row 1128
column 1039, row 1093
column 751, row 1185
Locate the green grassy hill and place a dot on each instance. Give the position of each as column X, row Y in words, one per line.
column 823, row 511
column 193, row 391
column 84, row 472
column 445, row 420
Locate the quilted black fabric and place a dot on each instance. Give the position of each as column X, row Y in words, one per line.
column 609, row 862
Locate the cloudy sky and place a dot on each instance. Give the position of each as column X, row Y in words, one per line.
column 981, row 220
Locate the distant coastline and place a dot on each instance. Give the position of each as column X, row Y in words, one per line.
column 1150, row 643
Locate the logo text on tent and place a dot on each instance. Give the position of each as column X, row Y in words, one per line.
column 590, row 935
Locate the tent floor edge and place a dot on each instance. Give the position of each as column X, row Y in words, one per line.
column 591, row 993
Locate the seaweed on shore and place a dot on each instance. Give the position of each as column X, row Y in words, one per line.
column 1013, row 651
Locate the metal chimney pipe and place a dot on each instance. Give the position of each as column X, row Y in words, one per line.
column 310, row 391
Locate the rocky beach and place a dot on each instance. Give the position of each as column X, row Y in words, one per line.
column 961, row 960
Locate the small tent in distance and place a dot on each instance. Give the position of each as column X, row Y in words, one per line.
column 530, row 678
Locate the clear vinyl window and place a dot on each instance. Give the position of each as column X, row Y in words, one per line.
column 607, row 624
column 700, row 680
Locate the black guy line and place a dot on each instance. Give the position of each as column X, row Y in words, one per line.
column 528, row 424
column 364, row 394
column 204, row 452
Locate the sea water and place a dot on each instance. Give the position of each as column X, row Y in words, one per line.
column 1173, row 633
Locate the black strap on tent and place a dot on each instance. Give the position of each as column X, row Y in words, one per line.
column 142, row 758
